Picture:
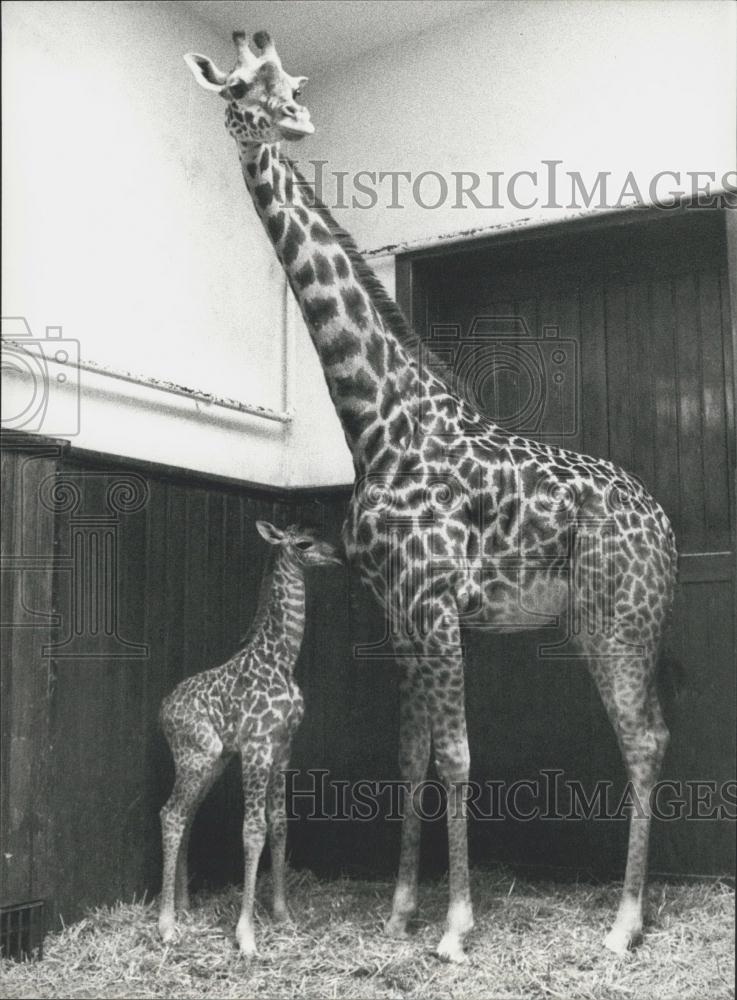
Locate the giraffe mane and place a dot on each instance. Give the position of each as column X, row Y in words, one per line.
column 394, row 319
column 264, row 594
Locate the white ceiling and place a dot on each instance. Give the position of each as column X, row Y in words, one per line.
column 317, row 35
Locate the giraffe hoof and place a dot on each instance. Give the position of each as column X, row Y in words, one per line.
column 281, row 915
column 167, row 930
column 246, row 941
column 621, row 941
column 450, row 949
column 396, row 927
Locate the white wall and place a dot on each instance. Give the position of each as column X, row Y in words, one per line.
column 126, row 221
column 618, row 86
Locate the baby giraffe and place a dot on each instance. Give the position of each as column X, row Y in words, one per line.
column 249, row 705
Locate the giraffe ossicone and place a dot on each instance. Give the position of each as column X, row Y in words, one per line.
column 250, row 705
column 489, row 549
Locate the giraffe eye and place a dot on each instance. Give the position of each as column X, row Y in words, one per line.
column 238, row 90
column 304, row 545
column 296, row 93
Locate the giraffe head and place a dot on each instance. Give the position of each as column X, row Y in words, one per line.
column 301, row 543
column 261, row 95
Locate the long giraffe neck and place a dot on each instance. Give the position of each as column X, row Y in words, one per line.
column 280, row 615
column 371, row 378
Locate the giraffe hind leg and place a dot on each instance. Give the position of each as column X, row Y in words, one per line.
column 196, row 769
column 627, row 688
column 181, row 888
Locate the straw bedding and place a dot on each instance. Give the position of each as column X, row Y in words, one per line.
column 532, row 939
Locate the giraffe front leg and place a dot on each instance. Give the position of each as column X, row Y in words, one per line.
column 276, row 818
column 256, row 758
column 181, row 886
column 172, row 828
column 450, row 744
column 414, row 756
column 443, row 677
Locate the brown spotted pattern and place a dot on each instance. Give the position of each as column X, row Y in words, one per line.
column 454, row 522
column 250, row 705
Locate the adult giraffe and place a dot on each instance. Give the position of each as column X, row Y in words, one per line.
column 452, row 519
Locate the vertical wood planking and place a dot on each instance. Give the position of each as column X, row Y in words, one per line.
column 667, row 472
column 14, row 878
column 728, row 297
column 130, row 683
column 155, row 774
column 527, row 311
column 26, row 820
column 690, row 418
column 195, row 582
column 620, row 427
column 639, row 353
column 714, row 383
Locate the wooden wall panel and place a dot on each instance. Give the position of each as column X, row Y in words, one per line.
column 85, row 767
column 27, row 604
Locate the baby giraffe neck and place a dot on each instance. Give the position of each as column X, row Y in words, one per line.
column 369, row 377
column 280, row 618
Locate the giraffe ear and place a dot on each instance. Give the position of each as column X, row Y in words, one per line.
column 205, row 72
column 269, row 533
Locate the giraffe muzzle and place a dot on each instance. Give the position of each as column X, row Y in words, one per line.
column 293, row 129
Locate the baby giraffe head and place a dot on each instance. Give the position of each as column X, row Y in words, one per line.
column 261, row 95
column 301, row 544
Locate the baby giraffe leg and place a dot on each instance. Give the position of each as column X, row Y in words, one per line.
column 182, row 874
column 181, row 885
column 256, row 760
column 194, row 774
column 276, row 817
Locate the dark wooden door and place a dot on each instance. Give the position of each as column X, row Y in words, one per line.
column 625, row 330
